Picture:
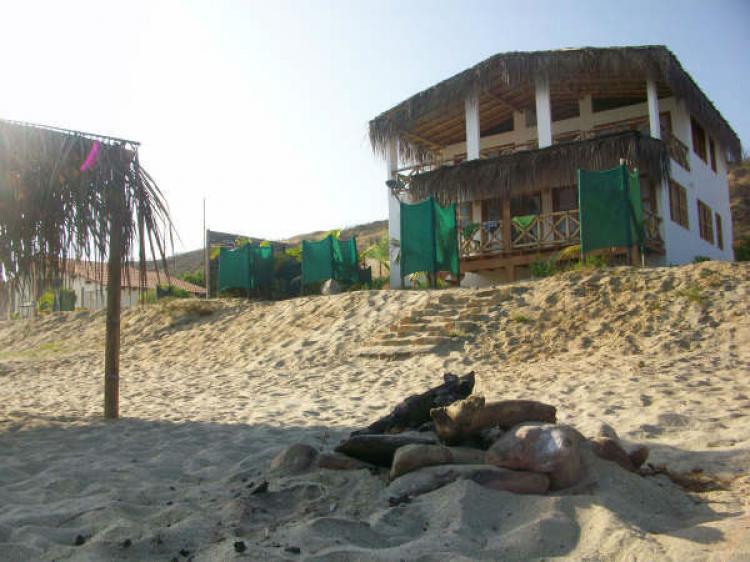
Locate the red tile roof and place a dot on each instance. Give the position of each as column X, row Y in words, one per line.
column 97, row 273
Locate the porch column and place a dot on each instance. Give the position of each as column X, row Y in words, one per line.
column 543, row 112
column 471, row 107
column 508, row 237
column 652, row 98
column 586, row 112
column 394, row 217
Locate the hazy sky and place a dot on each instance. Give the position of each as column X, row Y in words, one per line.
column 262, row 107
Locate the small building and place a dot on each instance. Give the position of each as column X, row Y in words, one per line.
column 504, row 139
column 89, row 283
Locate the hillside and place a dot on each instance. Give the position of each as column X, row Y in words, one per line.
column 211, row 391
column 739, row 193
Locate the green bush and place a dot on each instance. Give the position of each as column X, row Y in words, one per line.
column 701, row 259
column 46, row 302
column 742, row 249
column 171, row 291
column 197, row 277
column 543, row 268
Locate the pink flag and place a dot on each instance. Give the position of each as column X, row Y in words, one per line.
column 91, row 158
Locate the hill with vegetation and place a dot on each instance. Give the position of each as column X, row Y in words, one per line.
column 739, row 194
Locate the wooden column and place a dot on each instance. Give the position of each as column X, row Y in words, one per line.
column 394, row 217
column 471, row 113
column 114, row 276
column 543, row 112
column 508, row 236
column 652, row 99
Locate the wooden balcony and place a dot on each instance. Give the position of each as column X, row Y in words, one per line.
column 536, row 234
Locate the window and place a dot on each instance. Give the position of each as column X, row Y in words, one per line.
column 699, row 139
column 465, row 213
column 678, row 209
column 705, row 222
column 523, row 205
column 492, row 210
column 599, row 103
column 565, row 198
column 502, row 127
column 712, row 153
column 562, row 109
column 719, row 233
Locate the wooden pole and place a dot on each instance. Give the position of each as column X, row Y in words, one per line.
column 114, row 281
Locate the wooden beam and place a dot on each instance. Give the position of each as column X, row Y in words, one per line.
column 117, row 210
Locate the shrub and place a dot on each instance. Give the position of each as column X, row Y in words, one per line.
column 543, row 268
column 46, row 302
column 701, row 259
column 742, row 249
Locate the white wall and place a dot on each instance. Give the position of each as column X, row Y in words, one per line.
column 701, row 182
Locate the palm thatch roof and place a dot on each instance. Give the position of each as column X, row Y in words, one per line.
column 505, row 83
column 553, row 166
column 58, row 192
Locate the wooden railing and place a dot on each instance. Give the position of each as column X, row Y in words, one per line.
column 538, row 232
column 652, row 228
column 481, row 239
column 560, row 228
column 677, row 149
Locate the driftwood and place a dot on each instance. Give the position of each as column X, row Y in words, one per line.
column 468, row 417
column 379, row 449
column 412, row 457
column 414, row 411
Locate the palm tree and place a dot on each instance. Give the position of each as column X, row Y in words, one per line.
column 379, row 253
column 71, row 195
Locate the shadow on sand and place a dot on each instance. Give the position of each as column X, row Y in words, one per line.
column 135, row 490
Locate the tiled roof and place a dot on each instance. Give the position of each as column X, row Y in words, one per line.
column 97, row 273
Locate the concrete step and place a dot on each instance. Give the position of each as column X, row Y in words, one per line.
column 394, row 353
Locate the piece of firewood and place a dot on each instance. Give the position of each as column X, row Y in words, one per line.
column 415, row 410
column 468, row 417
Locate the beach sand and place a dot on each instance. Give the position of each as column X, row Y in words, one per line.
column 210, row 392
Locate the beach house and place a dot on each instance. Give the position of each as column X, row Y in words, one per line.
column 88, row 281
column 505, row 138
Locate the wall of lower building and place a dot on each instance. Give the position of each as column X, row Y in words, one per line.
column 701, row 182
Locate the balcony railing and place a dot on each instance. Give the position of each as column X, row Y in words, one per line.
column 652, row 229
column 531, row 233
column 677, row 150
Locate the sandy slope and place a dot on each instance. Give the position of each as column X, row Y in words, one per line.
column 661, row 354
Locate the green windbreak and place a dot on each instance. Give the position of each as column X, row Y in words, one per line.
column 446, row 239
column 611, row 212
column 429, row 241
column 261, row 267
column 317, row 260
column 330, row 258
column 234, row 269
column 247, row 267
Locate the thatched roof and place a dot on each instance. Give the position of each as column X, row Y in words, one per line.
column 530, row 170
column 434, row 117
column 58, row 192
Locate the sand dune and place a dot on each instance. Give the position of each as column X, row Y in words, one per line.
column 212, row 391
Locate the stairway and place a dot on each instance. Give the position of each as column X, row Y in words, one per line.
column 446, row 321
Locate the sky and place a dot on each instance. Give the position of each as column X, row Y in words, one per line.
column 262, row 107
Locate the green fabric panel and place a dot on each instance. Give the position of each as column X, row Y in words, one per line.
column 429, row 239
column 523, row 221
column 610, row 209
column 446, row 239
column 636, row 208
column 317, row 260
column 234, row 269
column 345, row 260
column 261, row 266
column 417, row 237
